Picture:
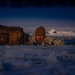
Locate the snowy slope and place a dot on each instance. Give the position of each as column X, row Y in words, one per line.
column 37, row 60
column 53, row 32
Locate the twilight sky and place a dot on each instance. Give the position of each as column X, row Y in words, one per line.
column 30, row 18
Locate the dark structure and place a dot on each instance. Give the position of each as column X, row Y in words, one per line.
column 4, row 38
column 11, row 35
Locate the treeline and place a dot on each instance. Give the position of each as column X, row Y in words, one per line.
column 36, row 3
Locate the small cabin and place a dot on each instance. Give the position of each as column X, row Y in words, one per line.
column 11, row 35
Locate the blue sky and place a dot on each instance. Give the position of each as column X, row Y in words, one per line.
column 30, row 18
column 45, row 12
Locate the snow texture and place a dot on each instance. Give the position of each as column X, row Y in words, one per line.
column 37, row 60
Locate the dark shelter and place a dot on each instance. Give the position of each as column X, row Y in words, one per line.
column 12, row 35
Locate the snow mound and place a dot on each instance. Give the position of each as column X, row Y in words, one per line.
column 61, row 33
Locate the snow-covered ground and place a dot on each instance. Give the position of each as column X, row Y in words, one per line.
column 37, row 60
column 54, row 32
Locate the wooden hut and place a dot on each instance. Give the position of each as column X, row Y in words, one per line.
column 11, row 35
column 4, row 38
